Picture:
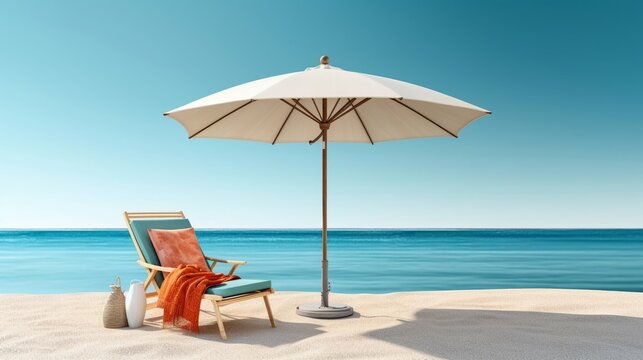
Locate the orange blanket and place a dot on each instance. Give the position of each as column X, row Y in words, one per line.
column 181, row 292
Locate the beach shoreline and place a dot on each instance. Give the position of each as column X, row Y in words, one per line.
column 455, row 324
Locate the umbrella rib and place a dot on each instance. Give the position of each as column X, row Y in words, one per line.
column 219, row 119
column 284, row 124
column 363, row 125
column 344, row 107
column 334, row 106
column 316, row 108
column 301, row 111
column 306, row 109
column 340, row 114
column 425, row 117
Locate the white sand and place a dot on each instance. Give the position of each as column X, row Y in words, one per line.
column 493, row 324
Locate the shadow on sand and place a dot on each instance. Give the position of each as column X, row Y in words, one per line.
column 487, row 334
column 243, row 330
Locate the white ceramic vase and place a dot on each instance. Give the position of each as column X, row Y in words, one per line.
column 135, row 304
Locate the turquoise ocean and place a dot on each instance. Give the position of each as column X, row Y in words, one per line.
column 361, row 261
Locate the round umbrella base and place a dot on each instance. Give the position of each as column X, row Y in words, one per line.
column 333, row 311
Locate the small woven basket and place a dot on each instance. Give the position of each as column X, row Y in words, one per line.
column 114, row 312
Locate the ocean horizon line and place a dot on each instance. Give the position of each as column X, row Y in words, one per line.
column 341, row 229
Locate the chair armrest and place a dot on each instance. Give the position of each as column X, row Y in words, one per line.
column 155, row 267
column 233, row 262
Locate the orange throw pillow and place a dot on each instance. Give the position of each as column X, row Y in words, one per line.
column 176, row 247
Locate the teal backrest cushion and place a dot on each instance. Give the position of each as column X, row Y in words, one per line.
column 139, row 228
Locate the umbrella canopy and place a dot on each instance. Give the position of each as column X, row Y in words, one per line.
column 361, row 108
column 331, row 104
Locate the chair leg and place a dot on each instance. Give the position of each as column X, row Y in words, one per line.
column 267, row 302
column 219, row 321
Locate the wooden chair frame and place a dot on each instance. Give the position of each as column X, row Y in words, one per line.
column 217, row 301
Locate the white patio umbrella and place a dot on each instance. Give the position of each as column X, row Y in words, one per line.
column 330, row 104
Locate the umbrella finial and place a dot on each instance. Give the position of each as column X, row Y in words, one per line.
column 324, row 60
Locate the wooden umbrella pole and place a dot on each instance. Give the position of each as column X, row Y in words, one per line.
column 324, row 226
column 324, row 125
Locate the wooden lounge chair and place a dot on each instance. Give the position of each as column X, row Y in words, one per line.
column 224, row 294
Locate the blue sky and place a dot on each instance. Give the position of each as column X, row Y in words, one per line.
column 84, row 85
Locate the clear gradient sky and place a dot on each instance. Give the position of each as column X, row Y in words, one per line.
column 83, row 85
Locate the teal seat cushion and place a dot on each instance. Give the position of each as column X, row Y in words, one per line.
column 237, row 287
column 139, row 228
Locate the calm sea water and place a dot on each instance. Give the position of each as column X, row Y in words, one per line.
column 361, row 261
